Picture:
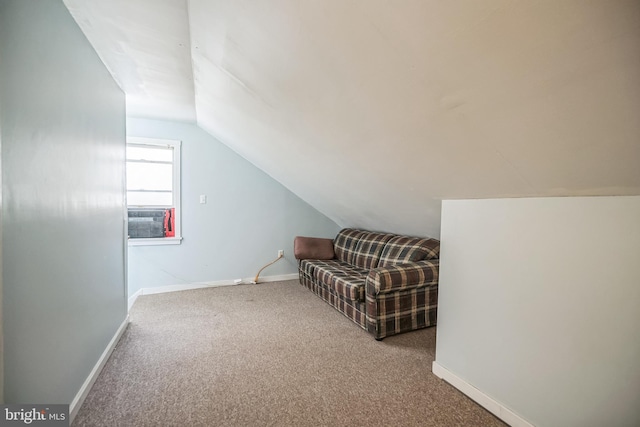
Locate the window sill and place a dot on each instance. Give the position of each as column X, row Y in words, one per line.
column 156, row 241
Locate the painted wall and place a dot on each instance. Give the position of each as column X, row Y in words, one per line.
column 63, row 133
column 538, row 306
column 248, row 216
column 1, row 274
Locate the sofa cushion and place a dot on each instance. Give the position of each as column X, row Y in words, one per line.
column 307, row 266
column 346, row 244
column 360, row 248
column 402, row 249
column 369, row 249
column 351, row 287
column 344, row 279
column 312, row 248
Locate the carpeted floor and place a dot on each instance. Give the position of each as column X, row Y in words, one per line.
column 272, row 354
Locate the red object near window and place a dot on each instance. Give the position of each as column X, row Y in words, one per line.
column 170, row 222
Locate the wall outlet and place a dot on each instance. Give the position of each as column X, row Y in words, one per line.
column 281, row 252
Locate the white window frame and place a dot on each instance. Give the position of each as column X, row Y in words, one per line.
column 177, row 147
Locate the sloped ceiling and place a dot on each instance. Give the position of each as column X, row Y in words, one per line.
column 146, row 47
column 373, row 111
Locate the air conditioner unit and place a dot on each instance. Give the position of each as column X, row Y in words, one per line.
column 147, row 223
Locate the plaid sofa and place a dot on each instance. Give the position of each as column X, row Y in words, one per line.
column 387, row 284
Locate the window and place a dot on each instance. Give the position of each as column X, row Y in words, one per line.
column 153, row 191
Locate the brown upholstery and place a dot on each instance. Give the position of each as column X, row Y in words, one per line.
column 313, row 248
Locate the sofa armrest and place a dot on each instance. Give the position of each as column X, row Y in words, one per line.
column 402, row 276
column 313, row 248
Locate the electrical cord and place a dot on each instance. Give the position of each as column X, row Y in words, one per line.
column 255, row 281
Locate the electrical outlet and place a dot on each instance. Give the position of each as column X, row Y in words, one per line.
column 281, row 252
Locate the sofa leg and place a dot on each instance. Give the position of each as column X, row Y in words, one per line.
column 379, row 339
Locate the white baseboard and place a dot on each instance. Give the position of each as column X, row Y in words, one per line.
column 184, row 287
column 77, row 401
column 277, row 278
column 200, row 285
column 133, row 298
column 490, row 404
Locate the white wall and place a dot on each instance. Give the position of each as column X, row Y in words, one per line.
column 248, row 216
column 63, row 133
column 539, row 306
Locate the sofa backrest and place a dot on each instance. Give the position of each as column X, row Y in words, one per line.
column 360, row 248
column 345, row 244
column 402, row 249
column 370, row 248
column 366, row 249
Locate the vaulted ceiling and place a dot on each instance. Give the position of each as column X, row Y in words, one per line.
column 373, row 111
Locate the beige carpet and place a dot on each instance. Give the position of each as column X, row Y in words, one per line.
column 272, row 354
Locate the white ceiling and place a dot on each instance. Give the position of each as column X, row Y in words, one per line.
column 145, row 45
column 373, row 110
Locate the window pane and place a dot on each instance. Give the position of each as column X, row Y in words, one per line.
column 149, row 176
column 138, row 198
column 163, row 154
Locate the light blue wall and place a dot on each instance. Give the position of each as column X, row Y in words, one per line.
column 247, row 218
column 63, row 133
column 538, row 306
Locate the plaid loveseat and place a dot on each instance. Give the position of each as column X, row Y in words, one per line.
column 385, row 283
